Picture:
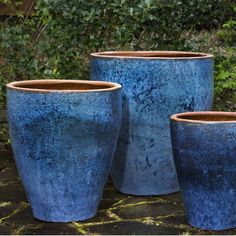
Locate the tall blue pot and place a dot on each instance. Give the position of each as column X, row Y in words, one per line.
column 155, row 86
column 64, row 135
column 204, row 147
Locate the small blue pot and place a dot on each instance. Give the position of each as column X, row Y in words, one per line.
column 64, row 135
column 204, row 148
column 155, row 86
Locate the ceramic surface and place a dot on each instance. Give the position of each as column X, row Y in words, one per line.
column 205, row 158
column 64, row 135
column 155, row 86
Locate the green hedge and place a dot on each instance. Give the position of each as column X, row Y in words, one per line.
column 56, row 40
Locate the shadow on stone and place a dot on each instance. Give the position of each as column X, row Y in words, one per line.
column 131, row 228
column 51, row 229
column 12, row 191
column 4, row 229
column 24, row 217
column 149, row 209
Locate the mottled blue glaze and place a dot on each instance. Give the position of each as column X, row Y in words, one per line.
column 205, row 158
column 153, row 89
column 63, row 144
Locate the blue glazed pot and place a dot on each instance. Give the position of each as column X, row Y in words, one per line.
column 155, row 86
column 204, row 148
column 64, row 134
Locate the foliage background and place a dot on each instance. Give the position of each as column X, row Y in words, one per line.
column 55, row 37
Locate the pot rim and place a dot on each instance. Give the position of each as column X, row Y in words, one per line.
column 152, row 55
column 178, row 117
column 110, row 86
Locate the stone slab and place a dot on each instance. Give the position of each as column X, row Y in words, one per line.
column 118, row 213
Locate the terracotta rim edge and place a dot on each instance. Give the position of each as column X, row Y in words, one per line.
column 148, row 55
column 178, row 117
column 111, row 86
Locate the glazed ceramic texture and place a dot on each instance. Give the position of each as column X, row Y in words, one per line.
column 153, row 89
column 63, row 143
column 205, row 158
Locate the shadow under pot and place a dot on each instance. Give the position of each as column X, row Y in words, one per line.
column 204, row 148
column 64, row 135
column 155, row 85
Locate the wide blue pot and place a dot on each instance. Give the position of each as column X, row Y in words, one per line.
column 204, row 147
column 155, row 86
column 64, row 135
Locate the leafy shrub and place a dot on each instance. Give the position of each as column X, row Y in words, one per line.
column 225, row 69
column 203, row 14
column 56, row 40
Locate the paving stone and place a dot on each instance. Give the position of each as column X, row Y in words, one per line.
column 12, row 192
column 51, row 229
column 6, row 159
column 6, row 208
column 8, row 174
column 131, row 228
column 118, row 213
column 10, row 187
column 148, row 209
column 4, row 229
column 174, row 197
column 99, row 217
column 111, row 192
column 195, row 231
column 108, row 203
column 137, row 200
column 4, row 146
column 177, row 219
column 222, row 232
column 24, row 217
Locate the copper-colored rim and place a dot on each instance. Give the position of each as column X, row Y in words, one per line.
column 183, row 117
column 171, row 55
column 22, row 86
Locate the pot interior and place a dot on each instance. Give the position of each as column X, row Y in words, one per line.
column 62, row 85
column 209, row 117
column 152, row 54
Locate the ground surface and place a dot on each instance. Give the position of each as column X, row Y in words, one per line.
column 118, row 213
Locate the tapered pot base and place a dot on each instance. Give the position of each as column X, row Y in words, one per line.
column 64, row 219
column 141, row 194
column 143, row 190
column 144, row 187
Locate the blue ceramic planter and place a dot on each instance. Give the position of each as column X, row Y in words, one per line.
column 204, row 147
column 64, row 135
column 155, row 86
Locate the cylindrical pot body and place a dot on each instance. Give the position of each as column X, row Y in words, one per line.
column 204, row 148
column 64, row 135
column 155, row 86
